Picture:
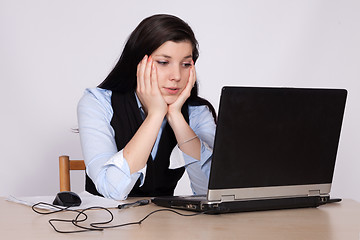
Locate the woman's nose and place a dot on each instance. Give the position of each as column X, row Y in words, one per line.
column 175, row 74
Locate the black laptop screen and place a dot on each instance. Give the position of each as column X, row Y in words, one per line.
column 276, row 136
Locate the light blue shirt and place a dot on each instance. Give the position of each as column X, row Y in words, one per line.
column 108, row 168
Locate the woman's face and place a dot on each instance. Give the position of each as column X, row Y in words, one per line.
column 173, row 61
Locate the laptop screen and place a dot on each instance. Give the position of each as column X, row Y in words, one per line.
column 276, row 136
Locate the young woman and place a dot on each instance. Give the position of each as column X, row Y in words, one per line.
column 145, row 124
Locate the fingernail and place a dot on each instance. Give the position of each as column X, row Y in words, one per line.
column 149, row 59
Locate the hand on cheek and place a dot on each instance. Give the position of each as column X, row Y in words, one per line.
column 185, row 94
column 147, row 88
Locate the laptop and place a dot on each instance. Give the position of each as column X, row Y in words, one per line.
column 274, row 148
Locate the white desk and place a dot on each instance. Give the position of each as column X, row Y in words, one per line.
column 329, row 222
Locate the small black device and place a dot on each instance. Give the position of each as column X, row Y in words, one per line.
column 67, row 199
column 134, row 204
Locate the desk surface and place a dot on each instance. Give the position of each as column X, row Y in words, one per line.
column 330, row 222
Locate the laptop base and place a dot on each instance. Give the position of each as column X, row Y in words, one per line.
column 240, row 206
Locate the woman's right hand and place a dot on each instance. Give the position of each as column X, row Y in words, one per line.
column 148, row 90
column 137, row 150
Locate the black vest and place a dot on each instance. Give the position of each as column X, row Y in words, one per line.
column 159, row 180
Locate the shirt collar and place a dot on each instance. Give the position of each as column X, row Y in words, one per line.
column 143, row 115
column 140, row 106
column 138, row 101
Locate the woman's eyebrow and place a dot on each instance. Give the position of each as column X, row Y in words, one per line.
column 162, row 55
column 167, row 56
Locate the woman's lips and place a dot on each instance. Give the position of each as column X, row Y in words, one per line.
column 172, row 91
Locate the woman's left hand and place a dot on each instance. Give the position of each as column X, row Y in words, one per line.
column 185, row 94
column 181, row 128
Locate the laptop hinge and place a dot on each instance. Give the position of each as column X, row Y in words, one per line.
column 227, row 198
column 314, row 193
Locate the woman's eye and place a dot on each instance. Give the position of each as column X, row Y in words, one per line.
column 186, row 65
column 162, row 62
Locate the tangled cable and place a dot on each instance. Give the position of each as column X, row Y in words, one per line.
column 95, row 226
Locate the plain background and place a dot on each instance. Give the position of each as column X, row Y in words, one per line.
column 51, row 51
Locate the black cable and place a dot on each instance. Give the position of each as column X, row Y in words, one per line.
column 60, row 209
column 75, row 221
column 63, row 209
column 95, row 226
column 143, row 219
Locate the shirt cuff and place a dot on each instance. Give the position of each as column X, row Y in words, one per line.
column 176, row 158
column 120, row 162
column 180, row 159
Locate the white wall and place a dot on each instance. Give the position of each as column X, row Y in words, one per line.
column 51, row 51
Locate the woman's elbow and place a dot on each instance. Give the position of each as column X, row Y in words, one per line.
column 109, row 191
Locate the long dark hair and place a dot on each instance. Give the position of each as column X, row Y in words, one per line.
column 149, row 35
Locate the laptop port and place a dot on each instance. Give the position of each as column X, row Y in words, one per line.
column 191, row 206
